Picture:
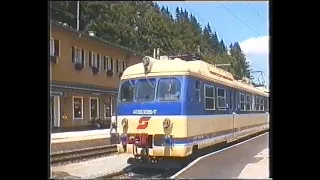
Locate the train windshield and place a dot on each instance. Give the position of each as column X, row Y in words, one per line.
column 145, row 90
column 169, row 89
column 126, row 92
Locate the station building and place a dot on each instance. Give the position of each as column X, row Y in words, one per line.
column 85, row 73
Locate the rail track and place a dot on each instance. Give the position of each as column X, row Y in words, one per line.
column 79, row 154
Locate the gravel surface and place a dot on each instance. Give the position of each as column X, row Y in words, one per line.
column 92, row 168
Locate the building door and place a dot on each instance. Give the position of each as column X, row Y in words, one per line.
column 55, row 111
column 51, row 111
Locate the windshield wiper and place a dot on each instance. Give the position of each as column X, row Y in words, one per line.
column 131, row 82
column 149, row 82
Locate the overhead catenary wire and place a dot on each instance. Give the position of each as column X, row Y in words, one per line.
column 258, row 13
column 214, row 28
column 244, row 22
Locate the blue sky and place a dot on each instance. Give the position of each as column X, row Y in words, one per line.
column 254, row 41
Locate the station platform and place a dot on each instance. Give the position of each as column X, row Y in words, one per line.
column 81, row 139
column 66, row 135
column 247, row 160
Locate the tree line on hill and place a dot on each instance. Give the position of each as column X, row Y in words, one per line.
column 144, row 25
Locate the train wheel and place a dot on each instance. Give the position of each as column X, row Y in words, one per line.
column 195, row 149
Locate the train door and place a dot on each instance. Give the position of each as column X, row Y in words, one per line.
column 232, row 111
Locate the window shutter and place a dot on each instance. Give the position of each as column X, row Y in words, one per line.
column 82, row 57
column 73, row 55
column 90, row 58
column 111, row 64
column 56, row 48
column 98, row 60
column 117, row 63
column 105, row 63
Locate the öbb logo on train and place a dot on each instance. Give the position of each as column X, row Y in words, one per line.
column 143, row 122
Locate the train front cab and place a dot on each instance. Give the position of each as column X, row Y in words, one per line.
column 150, row 121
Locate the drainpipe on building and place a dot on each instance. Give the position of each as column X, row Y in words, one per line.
column 78, row 12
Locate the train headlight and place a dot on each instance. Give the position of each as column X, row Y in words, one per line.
column 124, row 122
column 146, row 61
column 166, row 123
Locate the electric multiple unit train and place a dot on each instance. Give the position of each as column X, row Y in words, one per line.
column 171, row 108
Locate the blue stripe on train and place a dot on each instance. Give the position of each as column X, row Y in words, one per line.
column 157, row 108
column 167, row 108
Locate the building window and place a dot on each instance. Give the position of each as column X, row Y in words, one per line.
column 94, row 108
column 54, row 47
column 78, row 55
column 107, row 111
column 107, row 63
column 209, row 95
column 221, row 98
column 248, row 102
column 77, row 107
column 242, row 102
column 107, row 107
column 94, row 59
column 119, row 66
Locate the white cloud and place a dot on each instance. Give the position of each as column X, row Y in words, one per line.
column 255, row 46
column 256, row 50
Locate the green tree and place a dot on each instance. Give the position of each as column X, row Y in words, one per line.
column 144, row 25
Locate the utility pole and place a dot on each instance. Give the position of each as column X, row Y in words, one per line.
column 78, row 12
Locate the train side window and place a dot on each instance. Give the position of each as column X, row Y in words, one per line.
column 221, row 98
column 248, row 102
column 253, row 107
column 261, row 104
column 169, row 89
column 231, row 100
column 267, row 104
column 209, row 94
column 234, row 101
column 257, row 103
column 242, row 102
column 198, row 90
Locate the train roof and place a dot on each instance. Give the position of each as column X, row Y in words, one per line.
column 195, row 68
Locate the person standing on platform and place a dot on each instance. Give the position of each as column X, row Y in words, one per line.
column 113, row 123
